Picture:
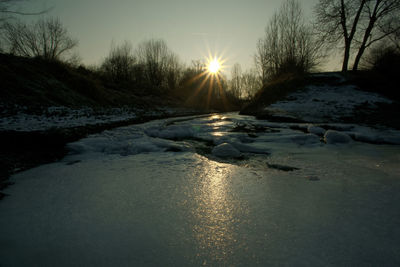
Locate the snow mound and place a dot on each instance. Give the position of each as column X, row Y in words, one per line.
column 225, row 150
column 335, row 137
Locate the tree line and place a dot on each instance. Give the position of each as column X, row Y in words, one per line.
column 291, row 44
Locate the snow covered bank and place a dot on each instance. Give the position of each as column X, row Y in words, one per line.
column 63, row 117
column 323, row 98
column 327, row 103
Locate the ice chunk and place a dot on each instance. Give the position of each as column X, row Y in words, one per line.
column 256, row 148
column 225, row 150
column 367, row 138
column 316, row 130
column 170, row 132
column 291, row 137
column 128, row 149
column 335, row 137
column 305, row 139
column 393, row 140
column 95, row 143
column 171, row 145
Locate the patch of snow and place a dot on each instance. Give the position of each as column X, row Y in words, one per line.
column 326, row 103
column 63, row 117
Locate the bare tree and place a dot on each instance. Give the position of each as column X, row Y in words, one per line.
column 119, row 63
column 158, row 62
column 47, row 38
column 384, row 17
column 236, row 80
column 288, row 44
column 262, row 60
column 337, row 20
column 8, row 10
column 395, row 40
column 362, row 22
column 250, row 83
column 174, row 72
column 198, row 65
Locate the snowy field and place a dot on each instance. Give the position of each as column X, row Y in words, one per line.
column 222, row 190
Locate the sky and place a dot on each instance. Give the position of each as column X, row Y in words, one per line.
column 192, row 29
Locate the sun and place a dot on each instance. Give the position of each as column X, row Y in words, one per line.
column 214, row 66
column 210, row 79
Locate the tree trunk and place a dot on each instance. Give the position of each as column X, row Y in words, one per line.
column 348, row 37
column 364, row 43
column 358, row 57
column 346, row 56
column 367, row 35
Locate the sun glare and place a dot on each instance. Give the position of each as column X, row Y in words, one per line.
column 214, row 66
column 210, row 78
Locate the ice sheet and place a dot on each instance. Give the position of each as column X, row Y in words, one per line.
column 135, row 197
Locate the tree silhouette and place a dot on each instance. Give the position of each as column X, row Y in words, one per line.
column 47, row 38
column 288, row 44
column 160, row 64
column 236, row 80
column 362, row 22
column 119, row 63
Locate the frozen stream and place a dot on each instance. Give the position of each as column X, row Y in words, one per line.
column 155, row 195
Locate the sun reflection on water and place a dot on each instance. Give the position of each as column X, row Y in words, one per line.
column 214, row 213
